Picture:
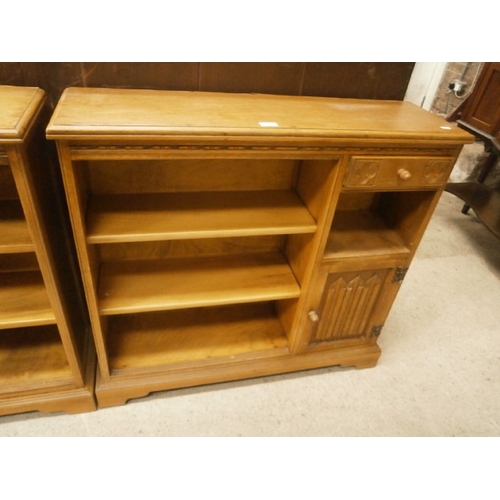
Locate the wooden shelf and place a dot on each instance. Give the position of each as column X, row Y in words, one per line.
column 14, row 234
column 211, row 334
column 24, row 300
column 362, row 233
column 155, row 285
column 158, row 216
column 30, row 357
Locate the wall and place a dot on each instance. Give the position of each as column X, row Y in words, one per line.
column 331, row 79
column 446, row 101
column 424, row 83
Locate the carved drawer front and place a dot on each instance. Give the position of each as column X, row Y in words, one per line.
column 396, row 172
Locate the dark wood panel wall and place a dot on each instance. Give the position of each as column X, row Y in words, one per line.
column 356, row 80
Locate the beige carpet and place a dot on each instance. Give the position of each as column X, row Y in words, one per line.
column 439, row 374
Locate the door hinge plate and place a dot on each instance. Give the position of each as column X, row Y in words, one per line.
column 399, row 274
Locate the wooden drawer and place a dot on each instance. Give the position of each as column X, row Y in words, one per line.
column 396, row 172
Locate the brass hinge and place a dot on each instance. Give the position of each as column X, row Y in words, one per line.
column 376, row 330
column 399, row 274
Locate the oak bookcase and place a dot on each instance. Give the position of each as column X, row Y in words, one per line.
column 226, row 236
column 47, row 362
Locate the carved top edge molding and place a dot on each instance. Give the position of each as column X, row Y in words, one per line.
column 201, row 147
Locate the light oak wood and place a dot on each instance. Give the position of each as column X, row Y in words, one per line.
column 44, row 342
column 19, row 106
column 152, row 285
column 31, row 356
column 171, row 175
column 39, row 359
column 115, row 114
column 362, row 234
column 149, row 217
column 227, row 236
column 347, row 305
column 209, row 335
column 398, row 172
column 384, row 223
column 124, row 387
column 192, row 248
column 24, row 300
column 14, row 232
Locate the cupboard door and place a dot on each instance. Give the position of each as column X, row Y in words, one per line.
column 353, row 305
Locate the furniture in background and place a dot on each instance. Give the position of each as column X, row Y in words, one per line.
column 227, row 236
column 47, row 361
column 480, row 116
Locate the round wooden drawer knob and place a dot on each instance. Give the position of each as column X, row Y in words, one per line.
column 313, row 316
column 404, row 174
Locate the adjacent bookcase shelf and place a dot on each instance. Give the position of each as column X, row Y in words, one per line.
column 14, row 232
column 24, row 300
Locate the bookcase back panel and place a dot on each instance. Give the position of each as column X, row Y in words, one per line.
column 31, row 356
column 8, row 189
column 159, row 176
column 189, row 248
column 378, row 223
column 18, row 262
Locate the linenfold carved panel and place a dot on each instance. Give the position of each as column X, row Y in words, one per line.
column 347, row 306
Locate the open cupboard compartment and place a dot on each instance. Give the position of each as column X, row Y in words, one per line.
column 196, row 260
column 371, row 224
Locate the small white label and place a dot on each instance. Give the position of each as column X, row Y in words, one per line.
column 268, row 124
column 445, row 127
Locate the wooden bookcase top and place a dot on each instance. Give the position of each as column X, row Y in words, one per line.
column 104, row 114
column 18, row 105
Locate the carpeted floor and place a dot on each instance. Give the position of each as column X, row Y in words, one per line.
column 439, row 374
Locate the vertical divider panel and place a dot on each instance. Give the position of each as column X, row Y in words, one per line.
column 314, row 184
